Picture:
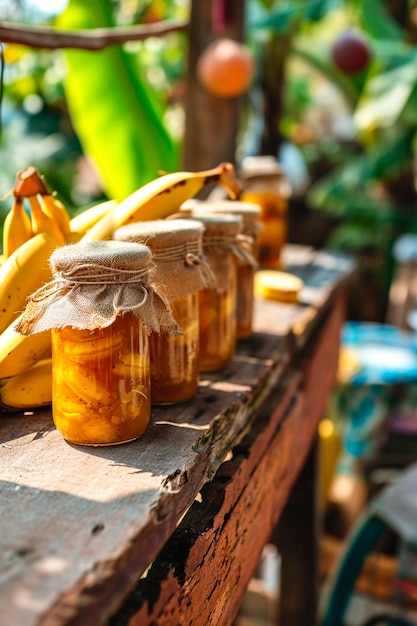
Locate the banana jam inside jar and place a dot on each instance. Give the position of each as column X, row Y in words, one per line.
column 101, row 382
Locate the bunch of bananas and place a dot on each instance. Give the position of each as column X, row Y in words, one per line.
column 28, row 241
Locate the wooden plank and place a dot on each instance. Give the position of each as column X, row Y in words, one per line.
column 80, row 525
column 107, row 510
column 201, row 575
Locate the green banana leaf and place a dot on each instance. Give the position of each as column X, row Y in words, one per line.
column 385, row 160
column 114, row 112
column 377, row 21
column 386, row 95
column 282, row 18
column 318, row 58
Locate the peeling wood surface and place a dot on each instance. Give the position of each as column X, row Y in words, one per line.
column 78, row 526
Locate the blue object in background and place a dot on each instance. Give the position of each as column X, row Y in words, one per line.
column 386, row 357
column 387, row 354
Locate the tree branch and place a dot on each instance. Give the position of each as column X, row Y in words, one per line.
column 94, row 39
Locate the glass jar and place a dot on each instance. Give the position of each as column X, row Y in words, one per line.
column 247, row 263
column 101, row 382
column 180, row 271
column 264, row 183
column 217, row 303
column 99, row 306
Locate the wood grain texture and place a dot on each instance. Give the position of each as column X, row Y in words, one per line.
column 79, row 526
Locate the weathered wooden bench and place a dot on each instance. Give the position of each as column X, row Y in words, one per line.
column 169, row 529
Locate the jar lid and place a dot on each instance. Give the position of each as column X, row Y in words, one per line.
column 216, row 224
column 260, row 166
column 161, row 233
column 277, row 285
column 248, row 210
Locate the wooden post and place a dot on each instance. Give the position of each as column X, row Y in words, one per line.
column 297, row 542
column 211, row 123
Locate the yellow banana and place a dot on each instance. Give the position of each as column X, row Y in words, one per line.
column 55, row 209
column 86, row 219
column 23, row 272
column 161, row 197
column 19, row 352
column 30, row 389
column 17, row 227
column 42, row 222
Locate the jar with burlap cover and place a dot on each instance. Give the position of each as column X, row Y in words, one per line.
column 100, row 307
column 248, row 265
column 223, row 246
column 180, row 271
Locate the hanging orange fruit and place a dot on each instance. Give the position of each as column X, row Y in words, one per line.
column 225, row 68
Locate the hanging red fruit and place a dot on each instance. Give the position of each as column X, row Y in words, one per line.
column 225, row 68
column 351, row 53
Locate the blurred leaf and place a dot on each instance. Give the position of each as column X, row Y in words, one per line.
column 384, row 161
column 356, row 235
column 281, row 19
column 315, row 11
column 320, row 61
column 287, row 14
column 377, row 21
column 114, row 112
column 390, row 52
column 409, row 112
column 386, row 95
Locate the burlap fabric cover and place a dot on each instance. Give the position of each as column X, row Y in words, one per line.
column 93, row 283
column 179, row 265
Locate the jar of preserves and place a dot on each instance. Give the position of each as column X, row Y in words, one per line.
column 247, row 262
column 179, row 272
column 99, row 306
column 217, row 303
column 264, row 183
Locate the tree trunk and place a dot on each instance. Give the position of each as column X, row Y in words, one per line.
column 212, row 124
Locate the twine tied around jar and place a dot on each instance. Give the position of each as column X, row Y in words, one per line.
column 240, row 246
column 222, row 240
column 92, row 284
column 180, row 267
column 190, row 254
column 244, row 253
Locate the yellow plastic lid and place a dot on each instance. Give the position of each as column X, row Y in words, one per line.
column 277, row 285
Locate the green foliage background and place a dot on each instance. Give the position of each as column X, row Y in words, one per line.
column 117, row 114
